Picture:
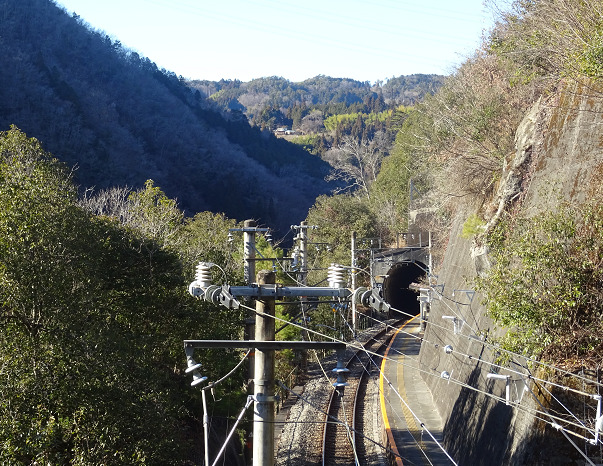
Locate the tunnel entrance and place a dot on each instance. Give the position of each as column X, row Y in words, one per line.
column 395, row 287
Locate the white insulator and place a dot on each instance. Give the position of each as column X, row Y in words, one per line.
column 336, row 276
column 203, row 276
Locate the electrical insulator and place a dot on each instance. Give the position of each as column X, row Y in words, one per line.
column 203, row 276
column 295, row 258
column 340, row 371
column 194, row 367
column 336, row 276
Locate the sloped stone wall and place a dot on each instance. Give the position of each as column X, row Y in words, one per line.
column 559, row 157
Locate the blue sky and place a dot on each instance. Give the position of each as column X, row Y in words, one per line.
column 367, row 40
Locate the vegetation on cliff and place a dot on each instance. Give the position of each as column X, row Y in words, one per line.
column 455, row 144
column 545, row 284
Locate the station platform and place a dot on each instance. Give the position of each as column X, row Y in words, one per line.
column 406, row 403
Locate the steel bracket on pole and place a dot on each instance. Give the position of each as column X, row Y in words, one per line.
column 598, row 421
column 261, row 398
column 227, row 300
column 375, row 301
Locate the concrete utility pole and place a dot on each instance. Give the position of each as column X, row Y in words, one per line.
column 303, row 281
column 303, row 251
column 263, row 416
column 353, row 247
column 249, row 229
column 265, row 293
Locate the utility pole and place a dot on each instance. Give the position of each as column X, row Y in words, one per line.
column 249, row 227
column 263, row 416
column 303, row 281
column 303, row 250
column 265, row 292
column 302, row 278
column 353, row 247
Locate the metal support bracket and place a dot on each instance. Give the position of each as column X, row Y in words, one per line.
column 507, row 379
column 457, row 323
column 598, row 421
column 261, row 398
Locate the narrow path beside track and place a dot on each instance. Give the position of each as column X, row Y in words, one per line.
column 405, row 433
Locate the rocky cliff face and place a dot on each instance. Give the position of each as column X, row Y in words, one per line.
column 559, row 156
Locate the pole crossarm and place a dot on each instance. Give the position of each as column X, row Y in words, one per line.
column 276, row 291
column 270, row 291
column 250, row 229
column 265, row 345
column 227, row 295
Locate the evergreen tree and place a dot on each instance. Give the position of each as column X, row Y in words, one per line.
column 91, row 325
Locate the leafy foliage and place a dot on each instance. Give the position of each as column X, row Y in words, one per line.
column 92, row 324
column 337, row 217
column 474, row 225
column 546, row 284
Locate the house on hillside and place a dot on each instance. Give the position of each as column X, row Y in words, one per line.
column 283, row 131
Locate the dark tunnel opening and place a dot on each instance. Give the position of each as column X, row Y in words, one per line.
column 395, row 287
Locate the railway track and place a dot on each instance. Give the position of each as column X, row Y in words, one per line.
column 342, row 440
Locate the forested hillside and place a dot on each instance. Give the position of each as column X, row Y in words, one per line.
column 120, row 120
column 274, row 101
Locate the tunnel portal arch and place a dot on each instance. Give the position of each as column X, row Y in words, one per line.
column 396, row 291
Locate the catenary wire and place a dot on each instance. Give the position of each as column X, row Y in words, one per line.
column 456, row 381
column 522, row 375
column 511, row 353
column 492, row 364
column 368, row 352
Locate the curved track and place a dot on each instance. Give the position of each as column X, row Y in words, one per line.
column 342, row 440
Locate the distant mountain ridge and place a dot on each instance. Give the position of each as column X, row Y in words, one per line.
column 330, row 95
column 121, row 121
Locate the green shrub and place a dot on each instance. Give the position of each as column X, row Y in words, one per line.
column 545, row 284
column 472, row 226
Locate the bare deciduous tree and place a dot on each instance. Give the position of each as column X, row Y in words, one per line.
column 312, row 123
column 356, row 163
column 112, row 202
column 148, row 210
